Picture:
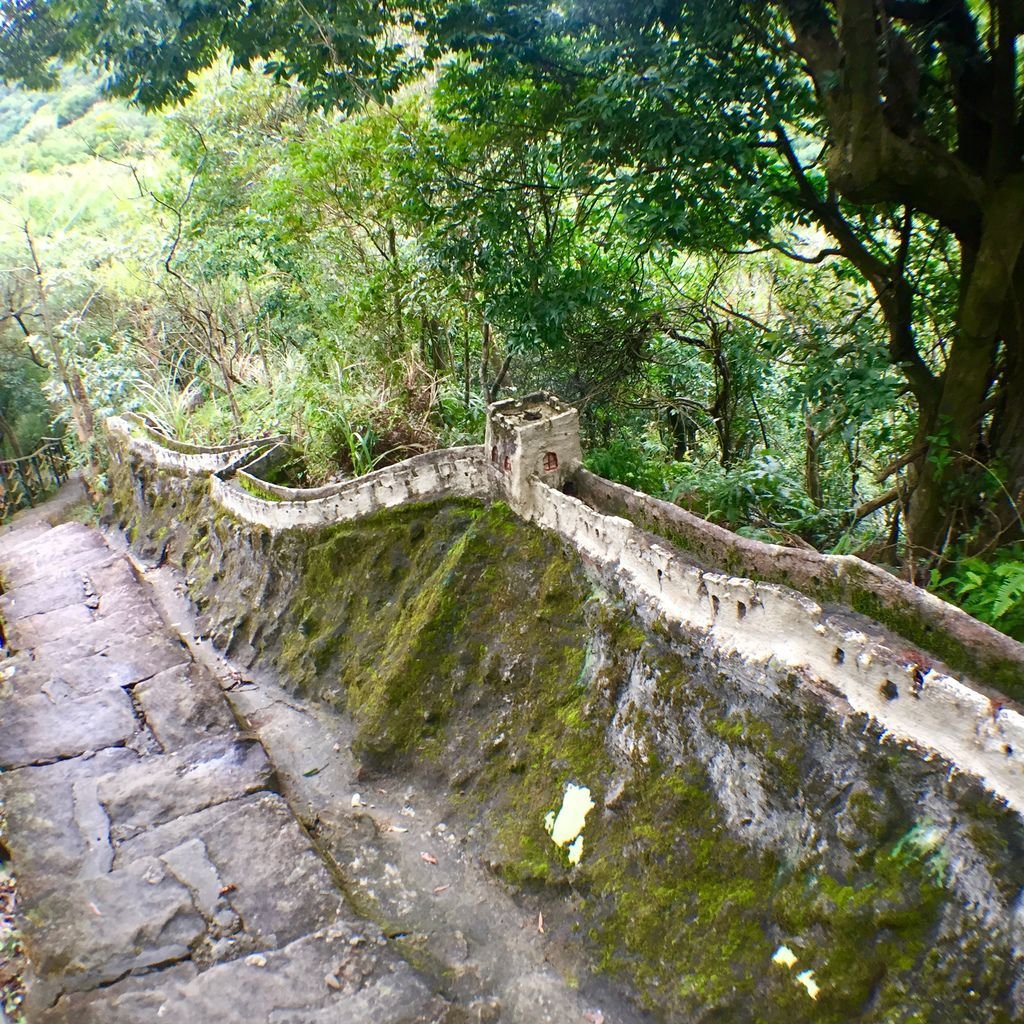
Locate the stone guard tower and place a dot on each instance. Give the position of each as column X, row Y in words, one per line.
column 536, row 437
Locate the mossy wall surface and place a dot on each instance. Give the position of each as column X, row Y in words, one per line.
column 735, row 810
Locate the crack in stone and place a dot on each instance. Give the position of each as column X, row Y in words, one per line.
column 94, row 822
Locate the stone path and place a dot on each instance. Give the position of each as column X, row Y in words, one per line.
column 162, row 872
column 161, row 875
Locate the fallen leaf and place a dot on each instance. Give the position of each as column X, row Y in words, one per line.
column 594, row 1017
column 310, row 772
column 225, row 889
column 540, row 923
column 428, row 857
column 440, row 889
column 397, row 828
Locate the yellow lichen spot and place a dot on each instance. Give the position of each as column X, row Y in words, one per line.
column 575, row 850
column 567, row 825
column 784, row 957
column 806, row 978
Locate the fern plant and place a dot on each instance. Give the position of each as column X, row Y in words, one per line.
column 990, row 590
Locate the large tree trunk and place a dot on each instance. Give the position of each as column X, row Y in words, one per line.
column 958, row 480
column 7, row 431
column 1006, row 435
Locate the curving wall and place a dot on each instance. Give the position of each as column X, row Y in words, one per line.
column 136, row 435
column 861, row 665
column 452, row 473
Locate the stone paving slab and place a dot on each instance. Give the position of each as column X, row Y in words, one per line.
column 50, row 835
column 23, row 532
column 44, row 596
column 288, row 986
column 70, row 547
column 161, row 876
column 106, row 635
column 79, row 674
column 183, row 703
column 52, row 626
column 156, row 790
column 40, row 728
column 94, row 931
column 277, row 905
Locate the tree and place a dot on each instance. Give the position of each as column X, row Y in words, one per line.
column 891, row 127
column 894, row 128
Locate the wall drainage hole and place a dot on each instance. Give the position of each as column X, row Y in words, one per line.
column 741, row 610
column 839, row 656
column 715, row 603
column 889, row 690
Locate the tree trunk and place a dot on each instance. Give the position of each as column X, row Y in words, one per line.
column 12, row 438
column 396, row 287
column 988, row 303
column 812, row 470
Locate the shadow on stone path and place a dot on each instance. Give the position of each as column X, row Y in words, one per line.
column 161, row 875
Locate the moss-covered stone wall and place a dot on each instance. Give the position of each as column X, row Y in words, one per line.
column 736, row 812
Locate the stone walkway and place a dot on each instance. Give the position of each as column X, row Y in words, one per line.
column 162, row 876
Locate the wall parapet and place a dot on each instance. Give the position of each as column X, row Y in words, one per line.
column 921, row 618
column 450, row 473
column 779, row 626
column 168, row 453
column 771, row 605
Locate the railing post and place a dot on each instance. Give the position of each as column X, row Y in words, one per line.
column 34, row 462
column 24, row 484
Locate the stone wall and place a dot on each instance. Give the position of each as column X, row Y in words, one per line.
column 741, row 805
column 453, row 473
column 920, row 617
column 869, row 668
column 897, row 681
column 134, row 434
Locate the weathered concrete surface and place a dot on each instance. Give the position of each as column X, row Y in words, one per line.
column 160, row 875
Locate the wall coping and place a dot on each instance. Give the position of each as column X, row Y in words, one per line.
column 184, row 448
column 304, row 494
column 830, row 579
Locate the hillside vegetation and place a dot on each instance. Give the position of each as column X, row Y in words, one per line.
column 768, row 305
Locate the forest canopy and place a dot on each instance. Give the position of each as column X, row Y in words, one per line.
column 771, row 249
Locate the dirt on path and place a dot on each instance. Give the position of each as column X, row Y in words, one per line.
column 192, row 844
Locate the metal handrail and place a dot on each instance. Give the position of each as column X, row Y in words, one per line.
column 28, row 478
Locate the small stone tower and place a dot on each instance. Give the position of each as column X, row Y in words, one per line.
column 533, row 437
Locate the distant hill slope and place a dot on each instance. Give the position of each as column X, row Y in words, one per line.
column 44, row 131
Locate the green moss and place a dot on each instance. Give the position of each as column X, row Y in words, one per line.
column 255, row 487
column 410, row 629
column 469, row 645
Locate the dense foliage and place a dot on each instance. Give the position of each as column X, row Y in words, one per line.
column 771, row 250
